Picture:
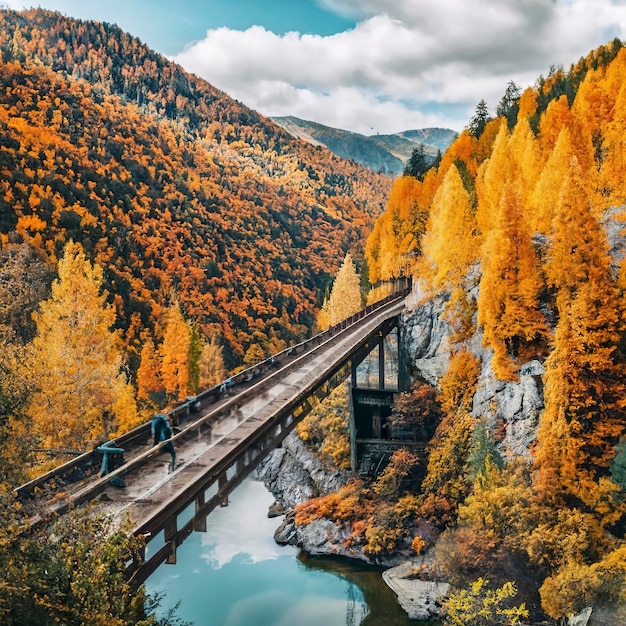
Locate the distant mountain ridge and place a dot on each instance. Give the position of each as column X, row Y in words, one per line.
column 381, row 153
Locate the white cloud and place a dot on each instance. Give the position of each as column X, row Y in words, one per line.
column 231, row 533
column 402, row 58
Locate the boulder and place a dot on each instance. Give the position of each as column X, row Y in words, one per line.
column 582, row 619
column 321, row 537
column 419, row 598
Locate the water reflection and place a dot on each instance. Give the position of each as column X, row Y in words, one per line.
column 236, row 575
column 381, row 601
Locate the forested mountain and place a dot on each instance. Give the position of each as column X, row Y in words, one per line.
column 175, row 189
column 382, row 153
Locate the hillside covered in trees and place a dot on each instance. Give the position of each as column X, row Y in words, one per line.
column 519, row 230
column 174, row 189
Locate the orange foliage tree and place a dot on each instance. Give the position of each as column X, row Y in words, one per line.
column 584, row 390
column 82, row 394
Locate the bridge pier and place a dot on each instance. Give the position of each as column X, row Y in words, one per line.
column 222, row 491
column 169, row 534
column 199, row 520
column 371, row 400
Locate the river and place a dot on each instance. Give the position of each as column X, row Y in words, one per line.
column 236, row 575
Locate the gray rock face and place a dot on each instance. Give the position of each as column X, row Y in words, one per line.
column 614, row 227
column 294, row 474
column 424, row 338
column 518, row 404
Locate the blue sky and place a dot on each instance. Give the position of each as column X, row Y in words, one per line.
column 372, row 66
column 170, row 26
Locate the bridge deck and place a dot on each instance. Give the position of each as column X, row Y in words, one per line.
column 219, row 447
column 150, row 487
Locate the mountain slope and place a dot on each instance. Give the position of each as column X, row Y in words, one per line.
column 170, row 185
column 381, row 153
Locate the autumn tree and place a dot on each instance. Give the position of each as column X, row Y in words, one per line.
column 584, row 414
column 16, row 437
column 416, row 412
column 211, row 366
column 448, row 245
column 508, row 303
column 149, row 383
column 345, row 296
column 395, row 241
column 444, row 485
column 81, row 392
column 25, row 280
column 479, row 605
column 175, row 352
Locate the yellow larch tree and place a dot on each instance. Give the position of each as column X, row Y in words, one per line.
column 345, row 296
column 395, row 239
column 174, row 352
column 613, row 171
column 82, row 394
column 524, row 151
column 149, row 372
column 212, row 368
column 449, row 245
column 508, row 302
column 548, row 187
column 491, row 174
column 584, row 412
column 527, row 104
column 555, row 118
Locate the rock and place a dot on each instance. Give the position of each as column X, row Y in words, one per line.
column 295, row 474
column 321, row 537
column 518, row 404
column 582, row 619
column 424, row 337
column 427, row 338
column 276, row 510
column 614, row 227
column 286, row 534
column 419, row 598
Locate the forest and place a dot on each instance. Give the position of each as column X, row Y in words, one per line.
column 520, row 228
column 176, row 190
column 155, row 235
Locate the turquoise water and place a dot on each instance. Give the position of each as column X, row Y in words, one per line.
column 236, row 575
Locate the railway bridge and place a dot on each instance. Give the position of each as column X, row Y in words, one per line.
column 221, row 435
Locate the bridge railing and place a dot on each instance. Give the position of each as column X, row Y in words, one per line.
column 89, row 463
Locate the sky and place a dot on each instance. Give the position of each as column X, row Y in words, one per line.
column 370, row 66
